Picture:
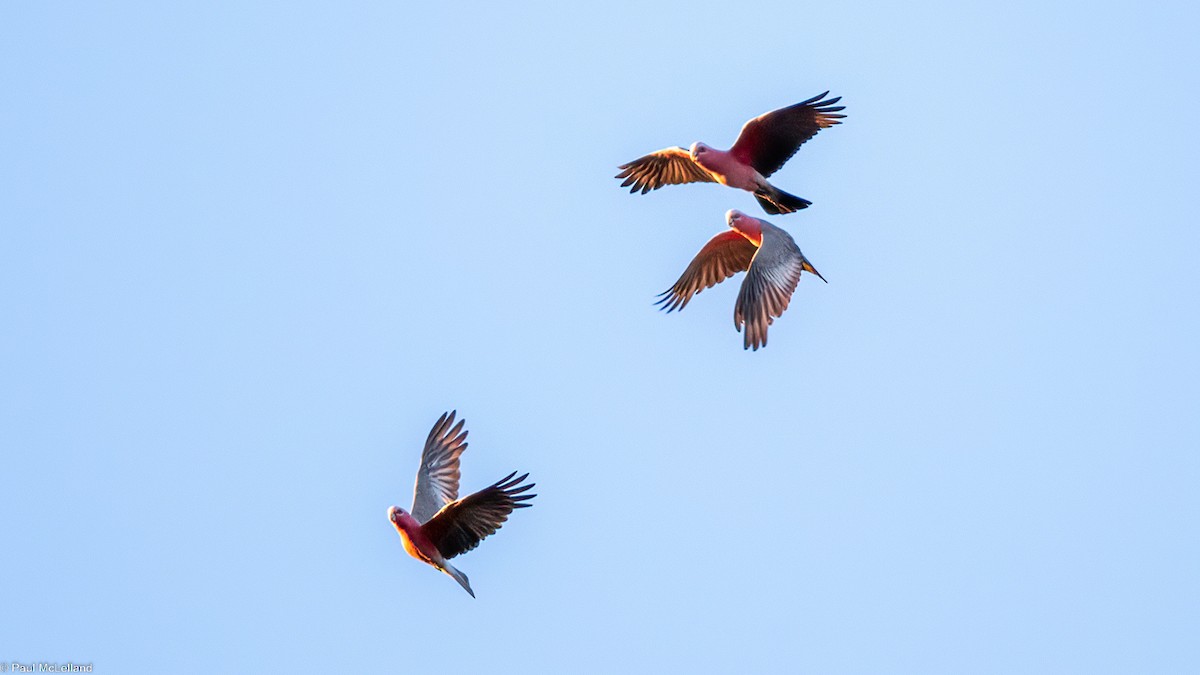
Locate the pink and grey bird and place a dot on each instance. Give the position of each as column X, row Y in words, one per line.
column 765, row 144
column 772, row 263
column 441, row 525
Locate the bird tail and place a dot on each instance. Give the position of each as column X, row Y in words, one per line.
column 775, row 201
column 808, row 267
column 459, row 577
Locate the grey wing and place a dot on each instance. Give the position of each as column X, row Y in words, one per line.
column 669, row 166
column 437, row 479
column 768, row 287
column 722, row 257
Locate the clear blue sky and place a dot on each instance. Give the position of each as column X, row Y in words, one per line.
column 249, row 254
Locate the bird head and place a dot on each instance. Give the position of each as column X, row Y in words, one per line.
column 749, row 226
column 698, row 149
column 396, row 514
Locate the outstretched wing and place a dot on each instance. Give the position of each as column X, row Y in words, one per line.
column 669, row 166
column 768, row 287
column 437, row 479
column 461, row 525
column 722, row 257
column 769, row 140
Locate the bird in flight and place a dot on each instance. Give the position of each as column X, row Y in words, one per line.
column 764, row 145
column 441, row 525
column 772, row 263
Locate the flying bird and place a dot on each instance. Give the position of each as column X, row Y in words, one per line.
column 441, row 525
column 764, row 145
column 772, row 263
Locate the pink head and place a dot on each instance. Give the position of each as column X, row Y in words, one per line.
column 400, row 518
column 749, row 226
column 698, row 149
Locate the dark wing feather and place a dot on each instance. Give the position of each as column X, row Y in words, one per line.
column 437, row 479
column 669, row 166
column 722, row 257
column 461, row 525
column 768, row 141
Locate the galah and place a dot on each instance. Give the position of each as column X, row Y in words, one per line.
column 772, row 263
column 764, row 145
column 442, row 526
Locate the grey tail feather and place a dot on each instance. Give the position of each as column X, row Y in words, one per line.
column 808, row 267
column 459, row 577
column 775, row 201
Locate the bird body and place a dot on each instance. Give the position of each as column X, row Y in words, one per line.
column 416, row 543
column 727, row 169
column 764, row 145
column 773, row 264
column 441, row 526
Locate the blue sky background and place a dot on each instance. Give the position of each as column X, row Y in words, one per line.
column 249, row 254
